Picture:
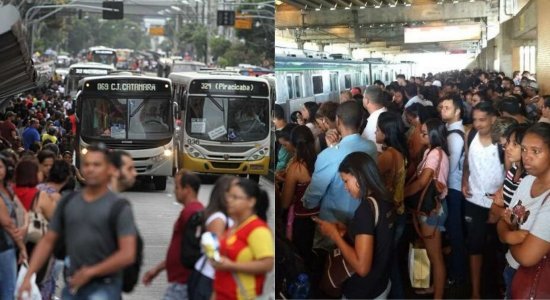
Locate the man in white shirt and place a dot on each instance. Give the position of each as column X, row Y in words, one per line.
column 373, row 102
column 452, row 110
column 68, row 104
column 483, row 175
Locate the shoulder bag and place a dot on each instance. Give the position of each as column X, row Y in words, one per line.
column 38, row 224
column 425, row 202
column 337, row 270
column 532, row 282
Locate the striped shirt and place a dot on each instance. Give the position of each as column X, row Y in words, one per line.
column 510, row 186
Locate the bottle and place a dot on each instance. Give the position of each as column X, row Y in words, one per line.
column 299, row 289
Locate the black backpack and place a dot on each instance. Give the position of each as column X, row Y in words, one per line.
column 191, row 240
column 130, row 274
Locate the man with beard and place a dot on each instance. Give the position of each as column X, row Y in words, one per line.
column 125, row 175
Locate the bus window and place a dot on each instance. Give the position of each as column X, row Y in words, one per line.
column 317, row 84
column 228, row 118
column 108, row 119
column 148, row 118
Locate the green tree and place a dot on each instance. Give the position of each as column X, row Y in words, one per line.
column 218, row 46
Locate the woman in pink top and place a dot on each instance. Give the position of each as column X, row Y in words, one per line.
column 434, row 136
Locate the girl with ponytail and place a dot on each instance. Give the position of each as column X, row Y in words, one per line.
column 247, row 250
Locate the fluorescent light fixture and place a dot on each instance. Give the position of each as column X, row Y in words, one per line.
column 175, row 8
column 363, row 7
column 278, row 2
column 455, row 1
column 319, row 8
column 430, row 34
column 334, row 8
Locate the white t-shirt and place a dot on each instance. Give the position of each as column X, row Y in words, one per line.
column 538, row 221
column 207, row 270
column 370, row 130
column 486, row 172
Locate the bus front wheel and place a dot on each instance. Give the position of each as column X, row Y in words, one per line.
column 160, row 183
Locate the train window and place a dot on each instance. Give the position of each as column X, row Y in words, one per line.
column 290, row 89
column 297, row 86
column 333, row 82
column 347, row 81
column 367, row 79
column 317, row 84
column 387, row 77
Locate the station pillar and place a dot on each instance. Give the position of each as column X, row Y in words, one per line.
column 543, row 46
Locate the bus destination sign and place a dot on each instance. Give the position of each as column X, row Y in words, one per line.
column 230, row 87
column 127, row 87
column 88, row 71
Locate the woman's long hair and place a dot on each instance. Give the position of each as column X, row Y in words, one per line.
column 217, row 201
column 302, row 139
column 437, row 134
column 361, row 166
column 393, row 129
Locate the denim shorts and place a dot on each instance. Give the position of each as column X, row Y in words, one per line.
column 437, row 219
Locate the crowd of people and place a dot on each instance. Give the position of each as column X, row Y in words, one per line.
column 74, row 228
column 479, row 142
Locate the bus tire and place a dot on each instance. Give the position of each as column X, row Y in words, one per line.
column 160, row 183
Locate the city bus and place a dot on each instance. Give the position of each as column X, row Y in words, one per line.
column 102, row 55
column 81, row 70
column 132, row 113
column 226, row 123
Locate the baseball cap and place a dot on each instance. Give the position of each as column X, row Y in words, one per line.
column 436, row 83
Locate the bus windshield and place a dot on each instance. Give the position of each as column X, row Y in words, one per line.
column 126, row 118
column 104, row 58
column 227, row 118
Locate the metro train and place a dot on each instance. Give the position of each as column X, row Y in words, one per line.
column 303, row 79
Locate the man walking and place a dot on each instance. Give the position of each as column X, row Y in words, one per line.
column 95, row 259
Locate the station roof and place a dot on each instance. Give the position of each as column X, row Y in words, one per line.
column 380, row 24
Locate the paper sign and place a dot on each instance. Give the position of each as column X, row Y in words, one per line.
column 218, row 132
column 198, row 125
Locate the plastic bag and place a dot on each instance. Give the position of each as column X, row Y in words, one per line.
column 419, row 267
column 35, row 292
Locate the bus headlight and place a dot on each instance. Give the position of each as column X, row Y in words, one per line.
column 192, row 151
column 259, row 154
column 168, row 152
column 84, row 151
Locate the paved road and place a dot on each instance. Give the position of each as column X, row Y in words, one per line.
column 156, row 213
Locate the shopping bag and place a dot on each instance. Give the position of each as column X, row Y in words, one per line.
column 419, row 267
column 35, row 292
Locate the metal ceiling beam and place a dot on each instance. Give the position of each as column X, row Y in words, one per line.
column 399, row 14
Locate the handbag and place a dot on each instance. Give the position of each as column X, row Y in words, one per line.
column 425, row 202
column 38, row 224
column 337, row 270
column 419, row 266
column 532, row 282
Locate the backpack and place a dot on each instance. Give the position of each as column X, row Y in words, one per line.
column 191, row 240
column 130, row 274
column 60, row 247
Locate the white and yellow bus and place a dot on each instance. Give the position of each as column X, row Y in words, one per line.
column 225, row 123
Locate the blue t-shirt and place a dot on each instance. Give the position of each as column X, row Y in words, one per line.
column 30, row 136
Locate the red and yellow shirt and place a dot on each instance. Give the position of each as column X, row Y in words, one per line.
column 252, row 240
